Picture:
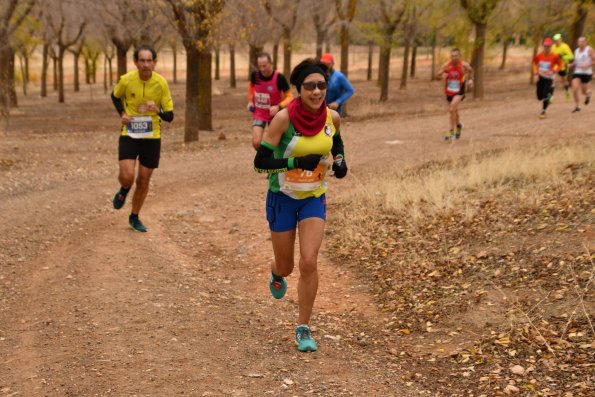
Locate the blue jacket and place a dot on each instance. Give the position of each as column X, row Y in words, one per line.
column 339, row 89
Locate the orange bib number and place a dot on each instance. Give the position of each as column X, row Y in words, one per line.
column 303, row 180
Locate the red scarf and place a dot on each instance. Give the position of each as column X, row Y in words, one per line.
column 305, row 122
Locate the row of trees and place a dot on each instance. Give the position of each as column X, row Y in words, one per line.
column 112, row 27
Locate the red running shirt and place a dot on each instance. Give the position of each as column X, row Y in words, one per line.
column 547, row 65
column 454, row 78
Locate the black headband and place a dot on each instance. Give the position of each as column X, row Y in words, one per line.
column 311, row 69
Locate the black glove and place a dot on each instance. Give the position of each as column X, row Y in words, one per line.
column 308, row 163
column 340, row 167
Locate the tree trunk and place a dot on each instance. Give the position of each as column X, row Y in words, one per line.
column 44, row 71
column 286, row 56
column 12, row 92
column 344, row 34
column 4, row 77
column 478, row 60
column 505, row 44
column 232, row 66
column 77, row 86
column 205, row 91
column 192, row 116
column 370, row 56
column 320, row 34
column 23, row 73
column 405, row 71
column 383, row 71
column 174, row 52
column 94, row 68
column 105, row 75
column 55, row 70
column 275, row 55
column 111, row 72
column 61, row 51
column 413, row 61
column 578, row 22
column 255, row 51
column 217, row 62
column 433, row 69
column 121, row 53
column 88, row 68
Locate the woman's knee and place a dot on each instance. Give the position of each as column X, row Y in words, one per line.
column 308, row 265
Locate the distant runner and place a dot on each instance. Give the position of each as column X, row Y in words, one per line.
column 584, row 57
column 297, row 151
column 268, row 93
column 457, row 75
column 142, row 98
column 565, row 53
column 339, row 88
column 545, row 65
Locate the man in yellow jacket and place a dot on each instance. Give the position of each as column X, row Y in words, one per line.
column 562, row 49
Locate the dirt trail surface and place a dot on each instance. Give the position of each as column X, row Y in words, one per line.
column 90, row 308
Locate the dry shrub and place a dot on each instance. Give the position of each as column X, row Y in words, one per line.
column 444, row 187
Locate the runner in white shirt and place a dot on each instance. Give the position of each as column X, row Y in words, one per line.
column 584, row 57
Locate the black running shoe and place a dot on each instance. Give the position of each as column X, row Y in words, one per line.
column 136, row 224
column 588, row 98
column 120, row 199
column 576, row 109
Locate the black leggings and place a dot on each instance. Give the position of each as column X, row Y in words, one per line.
column 545, row 90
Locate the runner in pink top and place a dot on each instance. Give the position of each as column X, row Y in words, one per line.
column 268, row 93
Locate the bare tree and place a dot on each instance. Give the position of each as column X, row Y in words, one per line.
column 61, row 22
column 285, row 14
column 414, row 10
column 194, row 21
column 324, row 16
column 581, row 11
column 479, row 12
column 12, row 15
column 345, row 12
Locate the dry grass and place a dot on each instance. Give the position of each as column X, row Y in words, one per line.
column 443, row 187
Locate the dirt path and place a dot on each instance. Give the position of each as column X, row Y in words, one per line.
column 90, row 308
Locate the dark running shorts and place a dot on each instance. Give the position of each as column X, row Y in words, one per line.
column 284, row 212
column 462, row 93
column 259, row 123
column 585, row 78
column 146, row 150
column 544, row 88
column 563, row 72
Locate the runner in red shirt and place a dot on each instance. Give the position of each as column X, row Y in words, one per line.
column 268, row 93
column 545, row 66
column 456, row 74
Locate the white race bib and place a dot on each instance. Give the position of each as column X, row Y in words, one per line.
column 140, row 127
column 453, row 86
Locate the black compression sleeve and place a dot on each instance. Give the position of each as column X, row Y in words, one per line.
column 265, row 161
column 282, row 83
column 338, row 145
column 167, row 116
column 118, row 104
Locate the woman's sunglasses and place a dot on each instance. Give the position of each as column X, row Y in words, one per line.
column 311, row 85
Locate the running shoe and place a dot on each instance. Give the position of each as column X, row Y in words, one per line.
column 576, row 109
column 550, row 98
column 136, row 224
column 304, row 340
column 448, row 136
column 542, row 114
column 458, row 131
column 120, row 198
column 278, row 286
column 588, row 98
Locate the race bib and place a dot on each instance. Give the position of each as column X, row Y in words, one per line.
column 140, row 127
column 453, row 86
column 544, row 66
column 262, row 100
column 304, row 180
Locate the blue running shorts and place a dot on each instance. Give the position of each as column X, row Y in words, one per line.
column 284, row 212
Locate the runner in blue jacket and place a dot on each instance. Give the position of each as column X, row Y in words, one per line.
column 339, row 89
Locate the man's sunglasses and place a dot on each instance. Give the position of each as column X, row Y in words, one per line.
column 310, row 85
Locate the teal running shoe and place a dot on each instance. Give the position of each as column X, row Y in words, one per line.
column 278, row 286
column 120, row 198
column 136, row 224
column 304, row 340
